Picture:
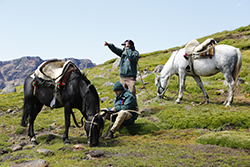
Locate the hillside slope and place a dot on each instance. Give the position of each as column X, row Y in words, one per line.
column 165, row 134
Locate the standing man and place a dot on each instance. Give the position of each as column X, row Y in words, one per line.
column 128, row 64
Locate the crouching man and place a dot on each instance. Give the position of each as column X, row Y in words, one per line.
column 124, row 110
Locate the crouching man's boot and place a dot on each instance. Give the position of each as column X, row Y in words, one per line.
column 110, row 135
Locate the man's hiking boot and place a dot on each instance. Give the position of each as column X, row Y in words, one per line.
column 110, row 135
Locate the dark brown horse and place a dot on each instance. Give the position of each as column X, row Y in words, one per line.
column 78, row 93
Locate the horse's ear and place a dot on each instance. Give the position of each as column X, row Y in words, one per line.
column 156, row 76
column 156, row 79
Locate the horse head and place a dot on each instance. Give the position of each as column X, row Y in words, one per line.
column 161, row 85
column 94, row 121
column 94, row 127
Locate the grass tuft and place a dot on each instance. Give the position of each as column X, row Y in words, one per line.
column 226, row 139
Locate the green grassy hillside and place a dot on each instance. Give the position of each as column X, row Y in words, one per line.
column 165, row 134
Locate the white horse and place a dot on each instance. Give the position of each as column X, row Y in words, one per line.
column 226, row 59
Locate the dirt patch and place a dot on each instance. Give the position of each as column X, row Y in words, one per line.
column 214, row 149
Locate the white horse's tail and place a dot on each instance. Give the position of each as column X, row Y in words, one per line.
column 236, row 71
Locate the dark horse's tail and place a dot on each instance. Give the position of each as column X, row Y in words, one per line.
column 25, row 116
column 74, row 118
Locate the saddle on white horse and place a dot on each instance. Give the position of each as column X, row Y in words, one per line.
column 203, row 49
column 194, row 50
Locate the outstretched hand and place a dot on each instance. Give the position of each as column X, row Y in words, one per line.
column 106, row 43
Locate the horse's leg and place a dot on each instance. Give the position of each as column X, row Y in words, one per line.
column 35, row 108
column 67, row 110
column 231, row 86
column 201, row 86
column 182, row 79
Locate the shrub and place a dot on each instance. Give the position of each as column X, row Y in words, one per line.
column 226, row 139
column 246, row 88
column 4, row 141
column 140, row 127
column 19, row 129
column 241, row 29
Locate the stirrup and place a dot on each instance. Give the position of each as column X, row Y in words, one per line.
column 55, row 103
column 188, row 69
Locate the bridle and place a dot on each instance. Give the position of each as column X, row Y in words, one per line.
column 91, row 125
column 160, row 87
column 92, row 120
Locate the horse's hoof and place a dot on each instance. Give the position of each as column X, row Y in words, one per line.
column 177, row 102
column 66, row 142
column 33, row 141
column 204, row 102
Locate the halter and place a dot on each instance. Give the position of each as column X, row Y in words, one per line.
column 159, row 86
column 91, row 123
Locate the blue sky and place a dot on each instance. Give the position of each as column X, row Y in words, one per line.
column 78, row 28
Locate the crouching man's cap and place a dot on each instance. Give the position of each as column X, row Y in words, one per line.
column 118, row 86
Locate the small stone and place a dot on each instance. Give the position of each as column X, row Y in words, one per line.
column 9, row 111
column 53, row 126
column 37, row 163
column 108, row 84
column 45, row 151
column 16, row 147
column 78, row 147
column 188, row 107
column 64, row 148
column 193, row 104
column 2, row 151
column 103, row 99
column 206, row 83
column 28, row 147
column 6, row 157
column 96, row 153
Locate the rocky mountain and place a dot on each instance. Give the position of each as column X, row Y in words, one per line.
column 15, row 71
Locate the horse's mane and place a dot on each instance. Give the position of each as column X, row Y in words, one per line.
column 96, row 96
column 176, row 51
column 92, row 89
column 84, row 77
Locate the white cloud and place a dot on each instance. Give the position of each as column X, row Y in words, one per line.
column 238, row 5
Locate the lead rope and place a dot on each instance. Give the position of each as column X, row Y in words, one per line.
column 143, row 83
column 110, row 125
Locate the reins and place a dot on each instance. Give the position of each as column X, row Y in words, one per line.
column 144, row 84
column 110, row 125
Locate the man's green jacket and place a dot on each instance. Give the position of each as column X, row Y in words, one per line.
column 129, row 60
column 126, row 101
